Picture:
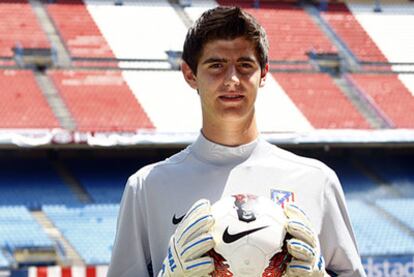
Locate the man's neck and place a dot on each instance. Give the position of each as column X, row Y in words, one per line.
column 231, row 134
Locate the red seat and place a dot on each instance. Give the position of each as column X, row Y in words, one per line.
column 389, row 95
column 290, row 30
column 78, row 30
column 321, row 101
column 19, row 26
column 347, row 27
column 100, row 101
column 22, row 103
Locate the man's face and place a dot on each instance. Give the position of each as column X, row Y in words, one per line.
column 227, row 80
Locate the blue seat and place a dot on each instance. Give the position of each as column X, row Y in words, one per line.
column 375, row 234
column 90, row 229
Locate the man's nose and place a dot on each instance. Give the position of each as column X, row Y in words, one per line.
column 232, row 77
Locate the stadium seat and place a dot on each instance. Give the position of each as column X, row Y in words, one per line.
column 78, row 30
column 22, row 102
column 19, row 27
column 321, row 101
column 392, row 24
column 39, row 184
column 349, row 30
column 100, row 101
column 400, row 208
column 90, row 229
column 291, row 31
column 375, row 234
column 105, row 178
column 389, row 96
column 19, row 230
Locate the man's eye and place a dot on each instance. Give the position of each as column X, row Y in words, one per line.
column 216, row 65
column 246, row 65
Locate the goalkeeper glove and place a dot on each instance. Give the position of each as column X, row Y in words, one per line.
column 189, row 243
column 306, row 257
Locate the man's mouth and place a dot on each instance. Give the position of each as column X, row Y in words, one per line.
column 231, row 97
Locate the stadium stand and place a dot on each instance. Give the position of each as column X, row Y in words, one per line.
column 105, row 178
column 20, row 230
column 392, row 24
column 317, row 92
column 78, row 30
column 126, row 29
column 23, row 238
column 402, row 209
column 395, row 170
column 352, row 33
column 22, row 103
column 90, row 229
column 356, row 184
column 19, row 28
column 291, row 32
column 124, row 98
column 375, row 234
column 389, row 96
column 100, row 101
column 39, row 184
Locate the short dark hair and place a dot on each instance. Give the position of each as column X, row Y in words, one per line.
column 224, row 23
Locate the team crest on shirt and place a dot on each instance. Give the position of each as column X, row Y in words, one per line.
column 282, row 196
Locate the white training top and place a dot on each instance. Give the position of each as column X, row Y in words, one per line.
column 159, row 192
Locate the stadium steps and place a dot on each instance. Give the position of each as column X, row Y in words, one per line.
column 55, row 101
column 345, row 53
column 71, row 256
column 72, row 182
column 63, row 57
column 181, row 13
column 369, row 114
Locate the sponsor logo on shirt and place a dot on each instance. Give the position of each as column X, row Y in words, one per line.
column 176, row 220
column 281, row 197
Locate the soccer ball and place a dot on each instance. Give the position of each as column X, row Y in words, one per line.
column 250, row 235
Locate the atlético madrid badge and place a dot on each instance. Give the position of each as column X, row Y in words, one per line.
column 282, row 196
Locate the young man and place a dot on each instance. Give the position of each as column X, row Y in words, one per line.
column 225, row 61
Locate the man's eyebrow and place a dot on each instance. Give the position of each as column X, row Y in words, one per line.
column 246, row 59
column 214, row 60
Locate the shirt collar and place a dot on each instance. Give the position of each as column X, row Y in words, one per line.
column 218, row 154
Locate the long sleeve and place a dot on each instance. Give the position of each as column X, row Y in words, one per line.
column 130, row 254
column 338, row 242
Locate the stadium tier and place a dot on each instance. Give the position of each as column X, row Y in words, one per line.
column 19, row 27
column 22, row 103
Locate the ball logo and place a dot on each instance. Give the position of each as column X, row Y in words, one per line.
column 229, row 238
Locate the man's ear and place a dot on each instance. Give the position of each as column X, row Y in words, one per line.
column 263, row 75
column 188, row 74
